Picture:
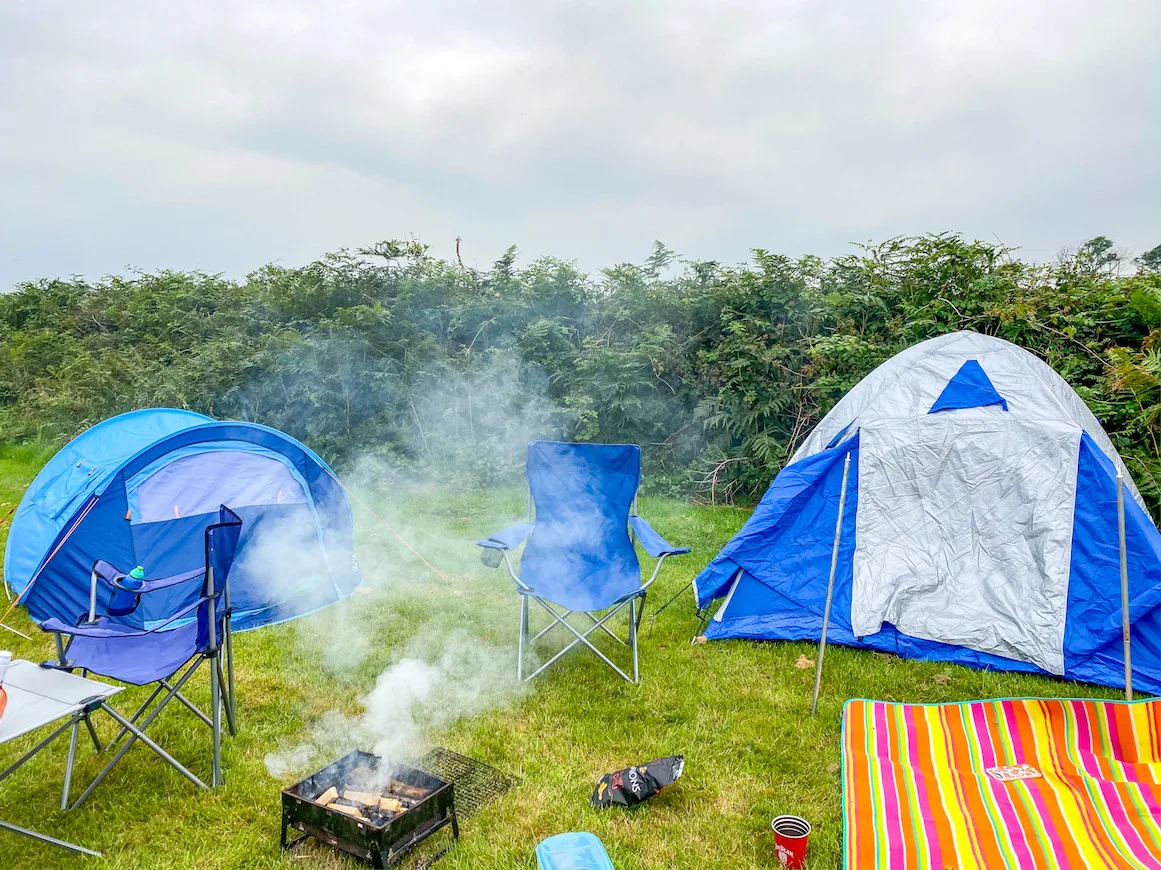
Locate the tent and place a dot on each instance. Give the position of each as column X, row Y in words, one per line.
column 139, row 489
column 980, row 525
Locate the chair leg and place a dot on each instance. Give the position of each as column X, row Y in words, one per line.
column 523, row 635
column 581, row 639
column 162, row 685
column 633, row 621
column 230, row 678
column 138, row 733
column 193, row 708
column 604, row 628
column 229, row 707
column 216, row 711
column 531, row 640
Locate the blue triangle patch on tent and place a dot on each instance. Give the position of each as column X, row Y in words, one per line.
column 970, row 388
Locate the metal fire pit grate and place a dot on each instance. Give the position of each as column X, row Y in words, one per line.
column 476, row 784
column 342, row 805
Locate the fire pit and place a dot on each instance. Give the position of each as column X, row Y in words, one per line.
column 376, row 815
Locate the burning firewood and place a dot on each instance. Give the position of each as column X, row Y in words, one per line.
column 328, row 797
column 391, row 805
column 354, row 812
column 405, row 790
column 365, row 798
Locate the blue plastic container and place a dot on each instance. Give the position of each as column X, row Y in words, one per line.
column 579, row 851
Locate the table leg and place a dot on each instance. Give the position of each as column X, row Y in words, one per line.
column 16, row 765
column 68, row 777
column 73, row 723
column 93, row 732
column 72, row 847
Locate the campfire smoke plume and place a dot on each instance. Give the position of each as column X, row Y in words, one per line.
column 471, row 430
column 467, row 677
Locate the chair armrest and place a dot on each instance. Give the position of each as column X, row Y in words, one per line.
column 149, row 585
column 509, row 539
column 103, row 628
column 106, row 627
column 166, row 582
column 127, row 596
column 654, row 544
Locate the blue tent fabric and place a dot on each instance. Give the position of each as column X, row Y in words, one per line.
column 74, row 473
column 94, row 484
column 970, row 388
column 579, row 554
column 791, row 532
column 783, row 555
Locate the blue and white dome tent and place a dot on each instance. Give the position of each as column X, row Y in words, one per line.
column 139, row 488
column 980, row 525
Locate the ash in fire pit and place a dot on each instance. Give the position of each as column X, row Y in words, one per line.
column 374, row 814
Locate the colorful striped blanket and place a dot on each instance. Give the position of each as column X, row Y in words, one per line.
column 917, row 791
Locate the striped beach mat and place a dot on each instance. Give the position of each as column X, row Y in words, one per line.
column 1002, row 784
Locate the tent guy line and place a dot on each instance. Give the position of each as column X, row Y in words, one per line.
column 40, row 570
column 387, row 526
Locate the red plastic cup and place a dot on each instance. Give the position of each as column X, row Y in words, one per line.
column 790, row 836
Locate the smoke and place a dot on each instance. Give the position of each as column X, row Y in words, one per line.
column 446, row 660
column 413, row 694
column 468, row 678
column 471, row 420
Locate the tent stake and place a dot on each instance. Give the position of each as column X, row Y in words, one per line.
column 1124, row 586
column 838, row 531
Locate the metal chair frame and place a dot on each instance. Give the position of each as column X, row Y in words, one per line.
column 222, row 685
column 640, row 532
column 635, row 603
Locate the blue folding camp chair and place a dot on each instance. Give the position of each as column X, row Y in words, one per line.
column 105, row 641
column 580, row 556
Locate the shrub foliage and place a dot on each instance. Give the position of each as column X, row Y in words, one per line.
column 717, row 371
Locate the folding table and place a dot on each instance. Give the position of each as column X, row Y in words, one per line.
column 40, row 696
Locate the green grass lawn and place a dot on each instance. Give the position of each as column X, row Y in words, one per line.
column 738, row 711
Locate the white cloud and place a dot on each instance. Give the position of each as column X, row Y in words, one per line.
column 223, row 135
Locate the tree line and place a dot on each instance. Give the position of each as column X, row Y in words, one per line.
column 718, row 371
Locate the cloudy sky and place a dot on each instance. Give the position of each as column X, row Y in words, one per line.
column 222, row 135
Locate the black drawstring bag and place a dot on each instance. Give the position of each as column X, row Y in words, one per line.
column 634, row 784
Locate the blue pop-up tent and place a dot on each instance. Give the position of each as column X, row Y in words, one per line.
column 980, row 525
column 140, row 488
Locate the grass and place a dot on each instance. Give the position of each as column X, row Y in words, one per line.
column 738, row 711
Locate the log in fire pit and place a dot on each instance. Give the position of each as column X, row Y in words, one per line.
column 373, row 813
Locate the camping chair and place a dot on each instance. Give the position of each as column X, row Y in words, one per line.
column 580, row 557
column 167, row 653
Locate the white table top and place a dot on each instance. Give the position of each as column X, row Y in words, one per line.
column 40, row 696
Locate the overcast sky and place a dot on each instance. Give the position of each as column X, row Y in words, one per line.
column 221, row 135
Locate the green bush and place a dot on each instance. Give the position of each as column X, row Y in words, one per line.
column 718, row 372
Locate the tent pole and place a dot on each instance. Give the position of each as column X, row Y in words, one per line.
column 1124, row 585
column 838, row 531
